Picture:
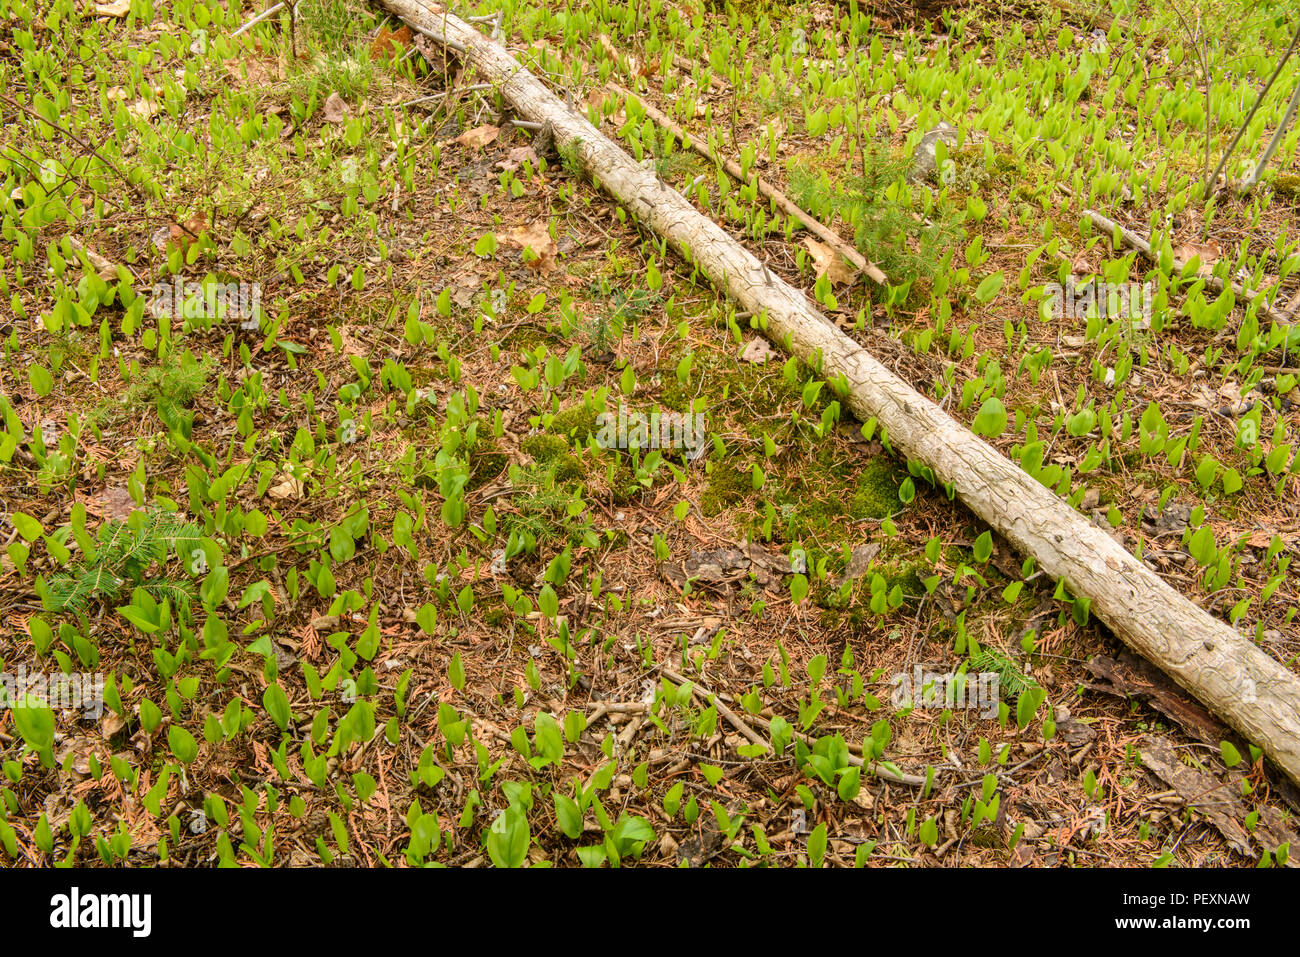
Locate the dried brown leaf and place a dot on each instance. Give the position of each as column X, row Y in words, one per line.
column 535, row 237
column 827, row 262
column 479, row 136
column 119, row 8
column 1208, row 252
column 336, row 110
column 757, row 351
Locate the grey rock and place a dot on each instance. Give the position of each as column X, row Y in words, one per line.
column 924, row 161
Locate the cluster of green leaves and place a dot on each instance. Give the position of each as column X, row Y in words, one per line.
column 875, row 203
column 171, row 387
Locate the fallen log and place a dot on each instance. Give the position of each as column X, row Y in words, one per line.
column 1235, row 679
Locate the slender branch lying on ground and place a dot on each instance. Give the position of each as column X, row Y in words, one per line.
column 827, row 235
column 1133, row 240
column 855, row 752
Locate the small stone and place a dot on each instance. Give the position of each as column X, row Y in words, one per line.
column 925, row 160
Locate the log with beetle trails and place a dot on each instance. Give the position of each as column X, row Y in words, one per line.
column 1237, row 680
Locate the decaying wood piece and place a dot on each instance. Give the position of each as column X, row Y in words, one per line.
column 1218, row 800
column 732, row 168
column 1235, row 679
column 715, row 81
column 103, row 268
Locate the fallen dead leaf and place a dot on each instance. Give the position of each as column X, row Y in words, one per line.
column 757, row 351
column 633, row 63
column 144, row 109
column 1209, row 254
column 535, row 237
column 289, row 487
column 597, row 99
column 118, row 9
column 390, row 42
column 517, row 157
column 176, row 235
column 859, row 562
column 112, row 503
column 193, row 228
column 111, row 724
column 335, row 110
column 827, row 262
column 478, row 137
column 1080, row 267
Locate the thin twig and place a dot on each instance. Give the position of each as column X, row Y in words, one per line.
column 264, row 15
column 1253, row 178
column 1253, row 110
column 736, row 722
column 1135, row 241
column 860, row 262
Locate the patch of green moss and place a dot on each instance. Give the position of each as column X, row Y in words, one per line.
column 712, row 373
column 830, row 597
column 856, row 616
column 577, row 422
column 1287, row 185
column 727, row 485
column 552, row 451
column 906, row 575
column 422, row 375
column 829, row 618
column 569, row 468
column 484, row 466
column 876, row 492
column 820, row 497
column 544, row 447
column 969, row 170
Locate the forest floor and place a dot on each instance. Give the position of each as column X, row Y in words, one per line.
column 302, row 449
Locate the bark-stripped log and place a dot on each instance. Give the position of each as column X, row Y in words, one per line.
column 1229, row 674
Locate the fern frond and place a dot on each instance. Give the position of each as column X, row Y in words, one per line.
column 182, row 538
column 62, row 594
column 69, row 591
column 114, row 535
